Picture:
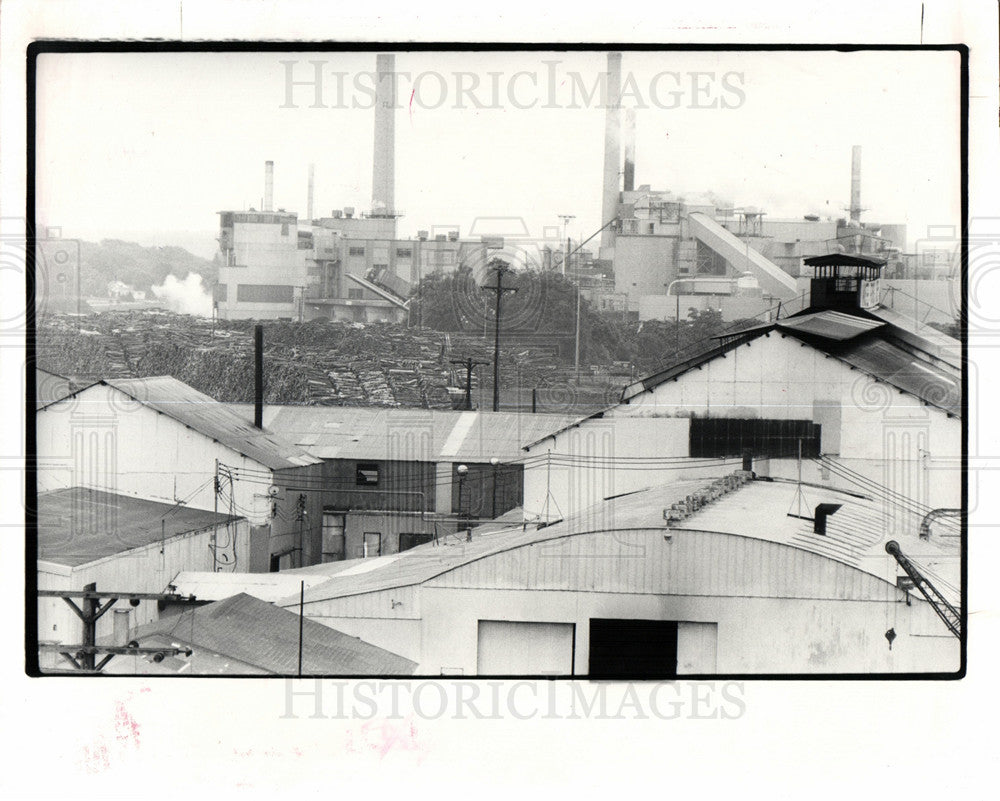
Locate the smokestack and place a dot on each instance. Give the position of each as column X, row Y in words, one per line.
column 856, row 185
column 383, row 167
column 268, row 185
column 612, row 153
column 258, row 376
column 309, row 199
column 630, row 150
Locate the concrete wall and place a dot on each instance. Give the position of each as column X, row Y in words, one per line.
column 264, row 254
column 146, row 569
column 644, row 265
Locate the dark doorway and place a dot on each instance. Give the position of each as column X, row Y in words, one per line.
column 633, row 649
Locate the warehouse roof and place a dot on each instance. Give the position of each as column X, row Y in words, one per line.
column 343, row 432
column 856, row 535
column 50, row 387
column 207, row 416
column 265, row 636
column 206, row 585
column 77, row 525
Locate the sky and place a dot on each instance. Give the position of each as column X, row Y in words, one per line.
column 151, row 146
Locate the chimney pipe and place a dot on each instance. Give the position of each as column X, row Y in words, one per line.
column 856, row 185
column 612, row 153
column 258, row 376
column 268, row 185
column 383, row 165
column 309, row 199
column 823, row 511
column 121, row 627
column 629, row 150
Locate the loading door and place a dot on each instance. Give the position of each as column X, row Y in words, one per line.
column 633, row 649
column 514, row 648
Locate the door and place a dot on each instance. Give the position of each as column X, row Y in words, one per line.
column 632, row 649
column 514, row 648
column 333, row 537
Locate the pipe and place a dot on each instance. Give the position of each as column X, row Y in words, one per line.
column 258, row 376
column 268, row 186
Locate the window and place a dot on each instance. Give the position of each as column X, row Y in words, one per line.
column 404, row 253
column 284, row 229
column 409, row 540
column 265, row 293
column 719, row 437
column 355, row 294
column 367, row 474
column 356, row 251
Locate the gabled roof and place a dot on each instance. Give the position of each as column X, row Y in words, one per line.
column 207, row 416
column 77, row 525
column 50, row 387
column 265, row 636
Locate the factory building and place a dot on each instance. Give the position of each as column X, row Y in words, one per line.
column 393, row 479
column 733, row 586
column 123, row 543
column 873, row 402
column 161, row 440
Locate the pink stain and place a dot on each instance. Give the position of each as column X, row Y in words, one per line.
column 413, row 94
column 126, row 727
column 383, row 737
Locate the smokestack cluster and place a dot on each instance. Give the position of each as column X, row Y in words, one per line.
column 856, row 185
column 268, row 186
column 612, row 152
column 629, row 176
column 383, row 168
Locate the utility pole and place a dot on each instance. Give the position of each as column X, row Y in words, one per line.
column 502, row 268
column 469, row 364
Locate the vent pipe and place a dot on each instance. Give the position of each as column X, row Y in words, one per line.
column 823, row 511
column 258, row 376
column 856, row 185
column 612, row 153
column 629, row 175
column 268, row 186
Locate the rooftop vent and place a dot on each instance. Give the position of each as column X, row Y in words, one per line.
column 823, row 511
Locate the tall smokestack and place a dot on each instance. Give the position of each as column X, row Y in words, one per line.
column 856, row 185
column 383, row 168
column 612, row 153
column 630, row 150
column 268, row 186
column 309, row 199
column 258, row 376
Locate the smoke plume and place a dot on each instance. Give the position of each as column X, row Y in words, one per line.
column 185, row 297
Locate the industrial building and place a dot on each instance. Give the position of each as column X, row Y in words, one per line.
column 868, row 398
column 245, row 636
column 160, row 440
column 392, row 479
column 123, row 543
column 691, row 578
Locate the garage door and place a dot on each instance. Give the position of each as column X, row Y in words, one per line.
column 514, row 648
column 633, row 649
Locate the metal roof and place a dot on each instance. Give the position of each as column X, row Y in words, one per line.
column 265, row 636
column 77, row 525
column 206, row 585
column 834, row 259
column 207, row 416
column 855, row 536
column 50, row 388
column 343, row 432
column 830, row 324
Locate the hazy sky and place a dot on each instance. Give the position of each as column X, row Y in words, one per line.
column 155, row 144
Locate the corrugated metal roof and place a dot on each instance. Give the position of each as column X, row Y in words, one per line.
column 77, row 525
column 265, row 636
column 830, row 324
column 207, row 416
column 212, row 586
column 343, row 432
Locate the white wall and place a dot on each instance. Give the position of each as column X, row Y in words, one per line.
column 102, row 439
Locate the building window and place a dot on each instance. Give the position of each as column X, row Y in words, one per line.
column 404, row 253
column 409, row 540
column 284, row 229
column 356, row 251
column 265, row 293
column 355, row 294
column 719, row 437
column 367, row 474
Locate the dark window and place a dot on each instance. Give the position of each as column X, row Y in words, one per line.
column 356, row 251
column 632, row 649
column 410, row 540
column 355, row 294
column 719, row 437
column 367, row 474
column 284, row 229
column 404, row 253
column 265, row 293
